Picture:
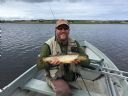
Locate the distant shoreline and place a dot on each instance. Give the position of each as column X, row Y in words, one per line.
column 71, row 21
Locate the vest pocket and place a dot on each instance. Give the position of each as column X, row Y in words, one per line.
column 74, row 49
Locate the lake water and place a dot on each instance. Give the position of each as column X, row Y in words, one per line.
column 21, row 44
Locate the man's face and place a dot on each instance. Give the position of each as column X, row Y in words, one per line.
column 62, row 32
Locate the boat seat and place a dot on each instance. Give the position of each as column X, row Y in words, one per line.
column 42, row 87
column 39, row 86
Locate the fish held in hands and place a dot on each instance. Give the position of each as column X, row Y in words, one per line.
column 66, row 58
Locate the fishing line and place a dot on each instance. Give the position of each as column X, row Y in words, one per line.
column 0, row 41
column 85, row 84
column 53, row 15
column 51, row 11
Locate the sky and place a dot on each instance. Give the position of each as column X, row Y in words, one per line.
column 66, row 9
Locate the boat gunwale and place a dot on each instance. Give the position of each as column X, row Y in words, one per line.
column 19, row 81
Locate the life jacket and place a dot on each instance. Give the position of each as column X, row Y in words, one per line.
column 58, row 71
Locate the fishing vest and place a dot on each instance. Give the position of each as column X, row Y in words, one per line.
column 58, row 72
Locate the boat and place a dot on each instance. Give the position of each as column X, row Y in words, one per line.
column 102, row 78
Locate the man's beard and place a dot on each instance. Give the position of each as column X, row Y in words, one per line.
column 63, row 38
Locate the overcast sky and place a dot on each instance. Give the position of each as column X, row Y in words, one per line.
column 67, row 9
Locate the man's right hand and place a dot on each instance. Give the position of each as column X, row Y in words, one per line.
column 55, row 61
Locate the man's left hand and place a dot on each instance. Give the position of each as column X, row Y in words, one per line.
column 76, row 61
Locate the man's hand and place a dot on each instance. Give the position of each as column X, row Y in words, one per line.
column 76, row 61
column 55, row 61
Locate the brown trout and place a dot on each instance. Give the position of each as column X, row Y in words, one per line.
column 66, row 58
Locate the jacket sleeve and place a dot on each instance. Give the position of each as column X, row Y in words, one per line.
column 82, row 52
column 45, row 52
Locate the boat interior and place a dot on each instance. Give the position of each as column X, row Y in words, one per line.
column 91, row 83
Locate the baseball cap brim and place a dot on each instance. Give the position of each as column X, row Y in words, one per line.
column 61, row 22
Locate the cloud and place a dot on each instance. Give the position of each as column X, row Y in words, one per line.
column 35, row 1
column 79, row 9
column 30, row 1
column 2, row 1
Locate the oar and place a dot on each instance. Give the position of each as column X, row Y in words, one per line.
column 109, row 71
column 116, row 73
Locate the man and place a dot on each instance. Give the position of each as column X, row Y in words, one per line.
column 58, row 75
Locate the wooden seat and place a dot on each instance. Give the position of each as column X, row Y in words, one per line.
column 42, row 87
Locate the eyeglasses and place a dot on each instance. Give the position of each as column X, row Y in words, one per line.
column 63, row 27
